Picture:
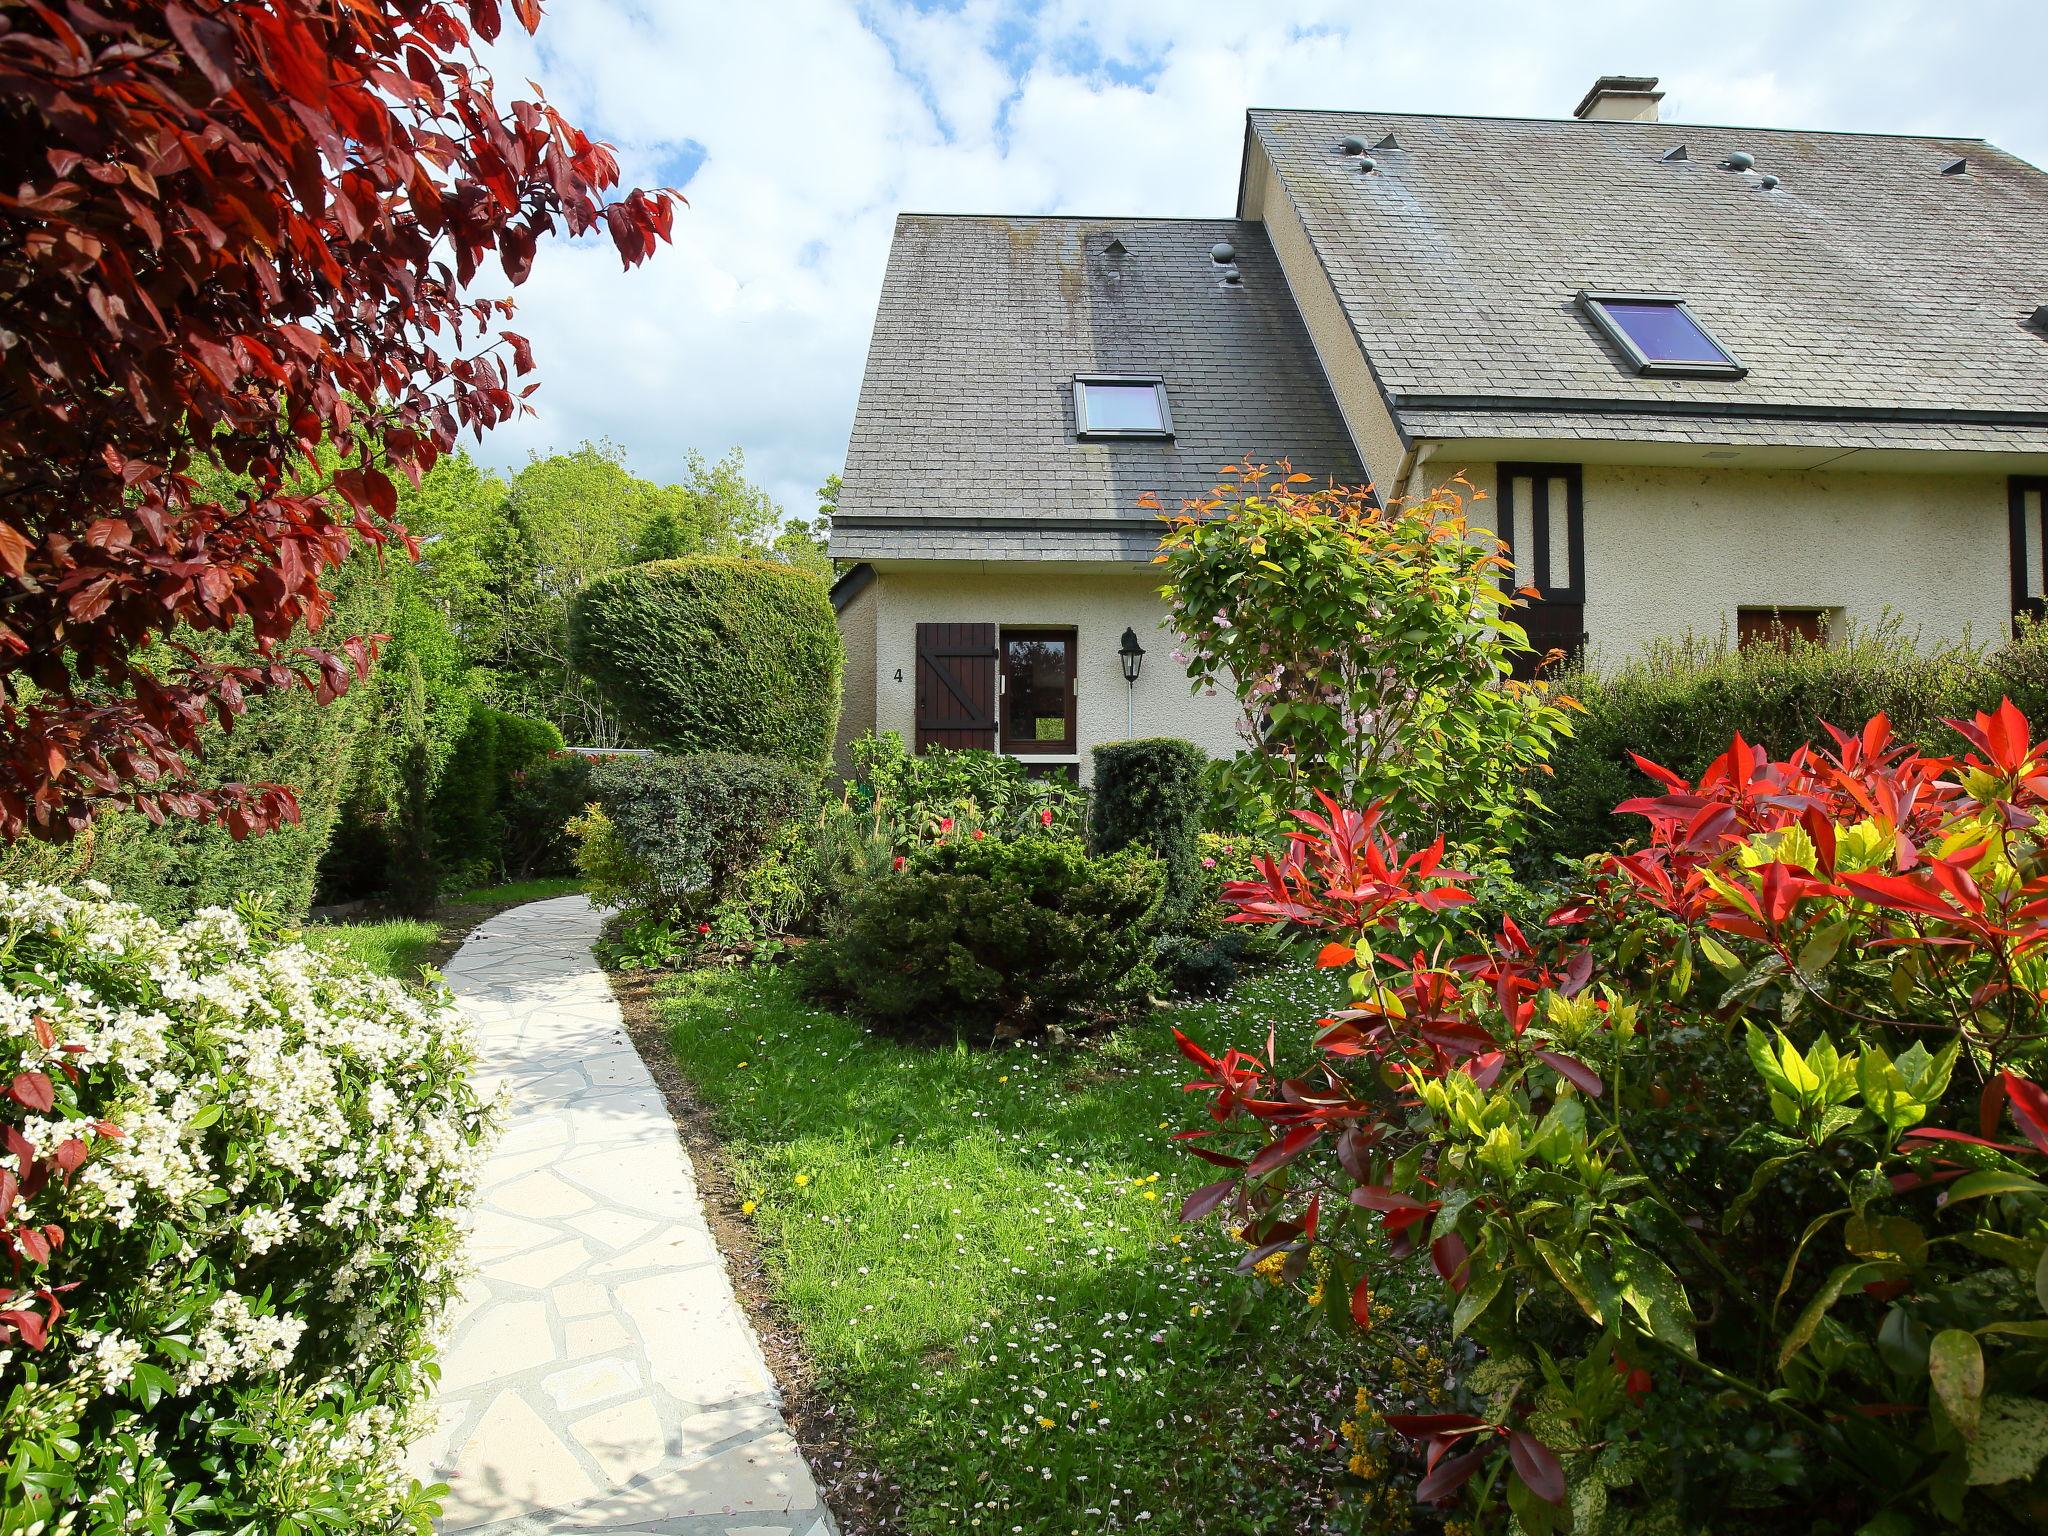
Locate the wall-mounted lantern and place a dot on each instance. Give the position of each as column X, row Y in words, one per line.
column 1132, row 655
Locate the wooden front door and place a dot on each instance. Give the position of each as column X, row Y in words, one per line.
column 956, row 686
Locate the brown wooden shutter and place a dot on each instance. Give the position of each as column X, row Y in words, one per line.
column 956, row 686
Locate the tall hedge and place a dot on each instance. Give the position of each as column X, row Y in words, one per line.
column 172, row 870
column 694, row 823
column 1680, row 705
column 1149, row 795
column 712, row 654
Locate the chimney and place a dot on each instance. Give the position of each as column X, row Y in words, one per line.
column 1621, row 99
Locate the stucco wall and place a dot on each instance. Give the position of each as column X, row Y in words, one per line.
column 1344, row 365
column 857, row 701
column 1098, row 605
column 1677, row 551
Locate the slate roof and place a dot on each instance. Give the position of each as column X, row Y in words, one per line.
column 963, row 444
column 1876, row 301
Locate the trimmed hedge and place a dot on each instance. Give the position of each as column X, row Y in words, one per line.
column 1681, row 705
column 471, row 797
column 1022, row 934
column 695, row 824
column 712, row 654
column 1149, row 794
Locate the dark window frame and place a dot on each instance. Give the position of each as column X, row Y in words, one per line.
column 2022, row 537
column 1593, row 303
column 1067, row 744
column 1776, row 623
column 1163, row 433
column 1557, row 619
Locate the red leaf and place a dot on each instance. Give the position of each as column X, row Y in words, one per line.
column 1361, row 1303
column 1536, row 1466
column 33, row 1090
column 1427, row 1426
column 2029, row 1105
column 1453, row 1260
column 1580, row 1075
column 1285, row 1150
column 1448, row 1476
column 1206, row 1199
column 1333, row 955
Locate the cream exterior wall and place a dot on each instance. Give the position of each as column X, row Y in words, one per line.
column 1099, row 604
column 857, row 697
column 1364, row 408
column 1671, row 552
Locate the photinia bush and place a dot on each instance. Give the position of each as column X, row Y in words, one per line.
column 1370, row 649
column 239, row 234
column 1736, row 1175
column 231, row 1170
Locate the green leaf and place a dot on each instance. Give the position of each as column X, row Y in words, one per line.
column 2012, row 1437
column 1955, row 1365
column 1478, row 1294
column 1720, row 956
column 1815, row 1309
column 2041, row 1280
column 1972, row 1186
column 1653, row 1293
column 1570, row 1278
column 1819, row 950
column 1764, row 1172
column 2035, row 1330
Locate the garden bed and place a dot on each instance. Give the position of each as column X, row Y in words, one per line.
column 967, row 1269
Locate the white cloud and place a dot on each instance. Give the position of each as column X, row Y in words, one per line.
column 819, row 120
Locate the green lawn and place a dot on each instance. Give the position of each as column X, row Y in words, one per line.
column 981, row 1254
column 517, row 892
column 396, row 947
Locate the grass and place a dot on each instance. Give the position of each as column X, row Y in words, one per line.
column 981, row 1254
column 517, row 892
column 397, row 947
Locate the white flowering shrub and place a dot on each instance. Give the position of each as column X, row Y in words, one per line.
column 230, row 1175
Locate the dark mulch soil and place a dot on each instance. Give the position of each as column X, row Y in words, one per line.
column 859, row 1500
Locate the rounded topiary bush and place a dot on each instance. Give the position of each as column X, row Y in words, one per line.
column 715, row 655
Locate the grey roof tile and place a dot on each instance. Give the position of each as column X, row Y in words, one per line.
column 1866, row 282
column 966, row 409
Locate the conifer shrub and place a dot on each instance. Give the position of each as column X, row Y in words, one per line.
column 713, row 654
column 1149, row 794
column 977, row 932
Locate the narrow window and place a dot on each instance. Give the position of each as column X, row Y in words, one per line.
column 1038, row 691
column 1112, row 405
column 1658, row 334
column 1543, row 522
column 2027, row 502
column 1785, row 628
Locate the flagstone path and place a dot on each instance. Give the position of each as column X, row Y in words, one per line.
column 600, row 1375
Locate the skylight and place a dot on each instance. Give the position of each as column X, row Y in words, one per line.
column 1108, row 405
column 1659, row 335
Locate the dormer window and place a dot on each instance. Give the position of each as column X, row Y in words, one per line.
column 1121, row 405
column 1660, row 335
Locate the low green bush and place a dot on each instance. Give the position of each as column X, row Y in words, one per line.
column 711, row 654
column 1683, row 703
column 470, row 804
column 960, row 791
column 1022, row 934
column 687, row 828
column 540, row 801
column 244, row 1164
column 1149, row 794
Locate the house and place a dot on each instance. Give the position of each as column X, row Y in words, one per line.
column 1713, row 381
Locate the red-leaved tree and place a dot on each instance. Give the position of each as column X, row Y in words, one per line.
column 239, row 231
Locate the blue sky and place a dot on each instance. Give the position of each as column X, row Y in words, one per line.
column 800, row 128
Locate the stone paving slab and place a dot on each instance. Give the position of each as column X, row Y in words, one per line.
column 599, row 1375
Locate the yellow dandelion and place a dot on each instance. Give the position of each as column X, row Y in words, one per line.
column 1151, row 1194
column 1194, row 1309
column 746, row 1207
column 743, row 1066
column 1004, row 1078
column 1044, row 1422
column 1093, row 1405
column 802, row 1179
